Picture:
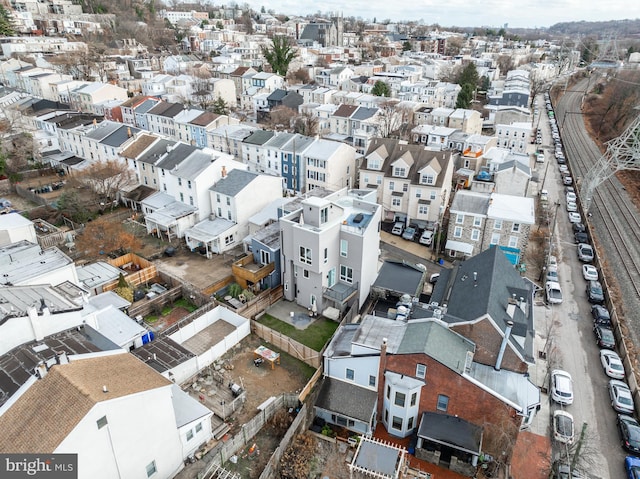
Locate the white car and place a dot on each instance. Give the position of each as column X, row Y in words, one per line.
column 572, row 206
column 571, row 196
column 553, row 292
column 562, row 168
column 575, row 217
column 612, row 364
column 552, row 274
column 589, row 272
column 563, row 427
column 561, row 387
column 620, row 395
column 426, row 238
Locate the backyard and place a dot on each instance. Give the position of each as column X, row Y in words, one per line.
column 314, row 336
column 170, row 314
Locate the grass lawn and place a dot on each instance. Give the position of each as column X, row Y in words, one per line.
column 315, row 336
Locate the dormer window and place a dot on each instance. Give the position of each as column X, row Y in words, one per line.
column 427, row 179
column 373, row 164
column 399, row 171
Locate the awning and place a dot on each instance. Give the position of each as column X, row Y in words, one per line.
column 451, row 431
column 465, row 248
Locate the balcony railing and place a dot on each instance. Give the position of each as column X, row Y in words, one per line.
column 340, row 292
column 246, row 270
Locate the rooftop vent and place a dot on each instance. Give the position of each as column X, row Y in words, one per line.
column 358, row 218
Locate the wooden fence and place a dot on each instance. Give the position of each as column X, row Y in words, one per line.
column 261, row 302
column 147, row 306
column 287, row 345
column 146, row 273
column 214, row 288
column 29, row 195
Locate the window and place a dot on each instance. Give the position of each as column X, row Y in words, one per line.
column 324, row 215
column 399, row 171
column 414, row 398
column 229, row 215
column 477, row 221
column 405, row 187
column 457, row 232
column 388, row 392
column 421, row 370
column 386, row 415
column 346, row 274
column 395, row 201
column 191, row 200
column 391, row 185
column 326, row 255
column 265, row 257
column 189, row 184
column 102, row 422
column 305, row 255
column 495, row 238
column 378, row 180
column 372, row 381
column 513, row 241
column 400, row 398
column 515, row 228
column 443, row 403
column 423, row 210
column 219, row 212
column 475, row 235
column 198, row 427
column 182, row 197
column 459, row 219
column 427, row 179
column 228, row 201
column 497, row 224
column 432, row 195
column 179, row 181
column 189, row 434
column 218, row 197
column 305, row 273
column 228, row 240
column 418, row 193
column 151, row 468
column 397, row 423
column 410, row 423
column 349, row 374
column 344, row 248
column 365, row 180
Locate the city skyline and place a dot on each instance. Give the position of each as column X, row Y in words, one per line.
column 463, row 13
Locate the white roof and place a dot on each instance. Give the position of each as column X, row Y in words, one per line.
column 116, row 326
column 13, row 220
column 465, row 248
column 518, row 209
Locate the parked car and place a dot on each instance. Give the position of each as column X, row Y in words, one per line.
column 572, row 206
column 563, row 427
column 612, row 364
column 579, row 228
column 632, row 467
column 553, row 261
column 585, row 253
column 571, row 196
column 544, row 195
column 581, row 237
column 620, row 395
column 552, row 274
column 562, row 470
column 567, row 180
column 561, row 387
column 569, row 189
column 397, row 229
column 409, row 233
column 562, row 168
column 553, row 292
column 575, row 217
column 600, row 315
column 426, row 238
column 595, row 295
column 589, row 272
column 604, row 336
column 629, row 430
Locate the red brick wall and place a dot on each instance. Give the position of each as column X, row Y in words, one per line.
column 488, row 340
column 466, row 400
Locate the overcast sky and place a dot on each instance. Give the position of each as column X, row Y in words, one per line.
column 473, row 13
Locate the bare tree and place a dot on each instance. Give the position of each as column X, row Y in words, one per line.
column 104, row 236
column 306, row 124
column 389, row 118
column 105, row 179
column 280, row 118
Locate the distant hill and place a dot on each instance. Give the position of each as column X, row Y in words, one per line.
column 621, row 28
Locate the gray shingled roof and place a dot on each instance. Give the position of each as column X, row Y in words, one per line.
column 119, row 136
column 451, row 430
column 175, row 156
column 400, row 278
column 470, row 202
column 364, row 113
column 234, row 182
column 339, row 396
column 153, row 154
column 259, row 137
column 437, row 341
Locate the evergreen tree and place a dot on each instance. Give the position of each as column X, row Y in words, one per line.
column 6, row 23
column 220, row 106
column 279, row 55
column 465, row 96
column 469, row 74
column 380, row 88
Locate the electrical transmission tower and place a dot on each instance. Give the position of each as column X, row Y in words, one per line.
column 608, row 54
column 623, row 153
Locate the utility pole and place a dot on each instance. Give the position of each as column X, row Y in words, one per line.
column 576, row 455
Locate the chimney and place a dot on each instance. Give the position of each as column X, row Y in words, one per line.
column 511, row 306
column 129, row 134
column 223, row 172
column 61, row 358
column 381, row 368
column 36, row 325
column 104, row 389
column 503, row 346
column 41, row 370
column 475, row 279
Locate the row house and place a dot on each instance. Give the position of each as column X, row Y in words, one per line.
column 355, row 125
column 326, row 246
column 161, row 118
column 412, row 183
column 478, row 221
column 233, row 201
column 157, row 86
column 434, row 137
column 129, row 107
column 516, row 136
column 201, row 125
column 321, row 113
column 229, row 138
column 433, row 94
column 316, row 94
column 475, row 147
column 87, row 98
column 254, row 84
column 334, row 77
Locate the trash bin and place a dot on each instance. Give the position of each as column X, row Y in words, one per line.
column 441, row 262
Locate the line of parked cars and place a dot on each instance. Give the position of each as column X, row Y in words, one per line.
column 411, row 233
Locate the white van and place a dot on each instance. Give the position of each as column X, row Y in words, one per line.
column 397, row 228
column 540, row 158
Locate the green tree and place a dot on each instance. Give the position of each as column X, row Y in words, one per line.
column 465, row 96
column 220, row 106
column 6, row 23
column 406, row 46
column 279, row 55
column 70, row 204
column 380, row 88
column 469, row 74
